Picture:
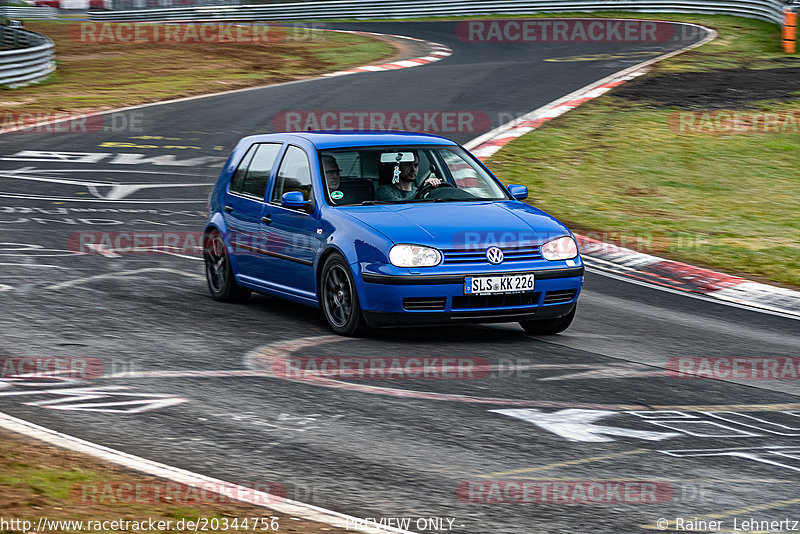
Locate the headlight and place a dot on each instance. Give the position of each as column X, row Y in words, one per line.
column 563, row 248
column 414, row 256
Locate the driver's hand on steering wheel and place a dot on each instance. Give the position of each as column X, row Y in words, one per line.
column 433, row 181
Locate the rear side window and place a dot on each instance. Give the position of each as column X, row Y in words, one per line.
column 252, row 175
column 293, row 175
column 241, row 171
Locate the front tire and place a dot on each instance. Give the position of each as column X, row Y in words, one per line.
column 548, row 327
column 219, row 273
column 339, row 298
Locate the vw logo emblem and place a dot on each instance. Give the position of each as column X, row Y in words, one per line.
column 494, row 255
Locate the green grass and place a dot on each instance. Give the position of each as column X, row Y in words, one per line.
column 40, row 481
column 52, row 482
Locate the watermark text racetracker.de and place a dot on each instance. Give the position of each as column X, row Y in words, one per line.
column 175, row 493
column 184, row 33
column 648, row 242
column 743, row 368
column 428, row 121
column 136, row 242
column 381, row 368
column 68, row 122
column 573, row 30
column 117, row 243
column 723, row 122
column 38, row 367
column 607, row 492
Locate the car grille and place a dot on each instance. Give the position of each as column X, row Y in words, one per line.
column 474, row 256
column 495, row 301
column 562, row 295
column 424, row 303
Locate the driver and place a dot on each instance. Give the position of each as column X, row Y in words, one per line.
column 332, row 172
column 405, row 188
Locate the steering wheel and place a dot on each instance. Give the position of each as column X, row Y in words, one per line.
column 423, row 191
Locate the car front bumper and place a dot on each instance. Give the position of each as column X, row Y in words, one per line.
column 403, row 299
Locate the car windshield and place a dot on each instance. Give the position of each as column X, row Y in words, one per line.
column 400, row 174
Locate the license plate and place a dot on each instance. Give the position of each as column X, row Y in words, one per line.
column 493, row 285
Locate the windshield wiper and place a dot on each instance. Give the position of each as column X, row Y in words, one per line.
column 373, row 202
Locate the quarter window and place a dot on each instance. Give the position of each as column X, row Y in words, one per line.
column 241, row 171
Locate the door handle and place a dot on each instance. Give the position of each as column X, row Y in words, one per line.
column 266, row 219
column 228, row 208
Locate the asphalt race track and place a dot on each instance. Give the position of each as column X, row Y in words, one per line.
column 593, row 405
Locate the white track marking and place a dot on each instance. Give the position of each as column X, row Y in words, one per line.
column 103, row 250
column 81, row 281
column 20, row 246
column 698, row 296
column 579, row 425
column 23, row 248
column 118, row 191
column 168, row 253
column 83, row 171
column 34, row 265
column 182, row 476
column 88, row 200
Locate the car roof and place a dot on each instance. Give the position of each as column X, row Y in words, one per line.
column 336, row 139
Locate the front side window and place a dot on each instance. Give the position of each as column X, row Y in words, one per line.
column 294, row 174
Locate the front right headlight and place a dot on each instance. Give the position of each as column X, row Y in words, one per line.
column 563, row 248
column 414, row 256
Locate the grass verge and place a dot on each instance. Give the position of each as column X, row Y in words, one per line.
column 39, row 481
column 618, row 166
column 96, row 76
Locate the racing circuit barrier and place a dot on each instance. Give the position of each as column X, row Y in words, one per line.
column 770, row 10
column 30, row 13
column 31, row 57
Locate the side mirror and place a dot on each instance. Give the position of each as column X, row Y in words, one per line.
column 293, row 200
column 518, row 191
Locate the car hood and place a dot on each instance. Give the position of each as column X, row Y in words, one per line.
column 456, row 224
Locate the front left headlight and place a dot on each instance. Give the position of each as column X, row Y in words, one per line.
column 414, row 256
column 563, row 248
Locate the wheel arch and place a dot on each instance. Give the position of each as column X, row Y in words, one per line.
column 323, row 257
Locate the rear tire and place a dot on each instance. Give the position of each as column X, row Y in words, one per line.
column 548, row 327
column 339, row 299
column 219, row 273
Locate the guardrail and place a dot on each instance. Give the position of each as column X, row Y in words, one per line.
column 770, row 10
column 29, row 13
column 163, row 4
column 31, row 58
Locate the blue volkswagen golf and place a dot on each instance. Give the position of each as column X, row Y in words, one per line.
column 386, row 229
